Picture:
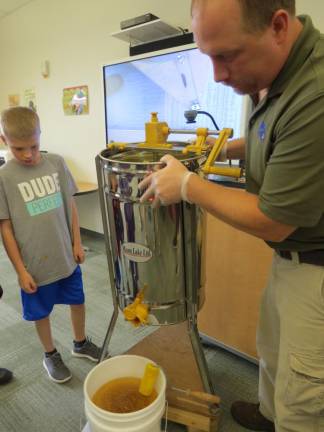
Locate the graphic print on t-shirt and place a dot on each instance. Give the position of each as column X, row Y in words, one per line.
column 41, row 194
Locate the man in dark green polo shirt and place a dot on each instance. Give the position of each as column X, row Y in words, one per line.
column 260, row 48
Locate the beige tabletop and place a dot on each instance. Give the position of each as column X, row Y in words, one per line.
column 86, row 188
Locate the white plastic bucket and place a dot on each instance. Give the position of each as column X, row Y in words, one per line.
column 145, row 420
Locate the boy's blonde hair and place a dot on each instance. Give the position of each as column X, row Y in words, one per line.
column 19, row 122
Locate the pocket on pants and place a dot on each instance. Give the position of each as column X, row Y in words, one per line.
column 305, row 389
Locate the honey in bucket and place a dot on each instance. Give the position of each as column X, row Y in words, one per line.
column 128, row 394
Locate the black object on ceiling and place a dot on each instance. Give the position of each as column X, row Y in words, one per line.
column 161, row 44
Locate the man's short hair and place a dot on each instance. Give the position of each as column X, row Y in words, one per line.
column 257, row 14
column 19, row 122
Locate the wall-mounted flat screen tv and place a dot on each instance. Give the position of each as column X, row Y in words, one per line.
column 168, row 82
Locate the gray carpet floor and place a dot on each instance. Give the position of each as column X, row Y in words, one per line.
column 33, row 403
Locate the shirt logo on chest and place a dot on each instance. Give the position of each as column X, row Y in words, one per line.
column 262, row 131
column 41, row 194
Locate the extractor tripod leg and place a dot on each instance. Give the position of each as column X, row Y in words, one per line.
column 104, row 348
column 104, row 210
column 200, row 357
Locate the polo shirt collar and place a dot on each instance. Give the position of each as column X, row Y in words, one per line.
column 298, row 55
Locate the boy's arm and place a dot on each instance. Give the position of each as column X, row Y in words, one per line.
column 25, row 279
column 78, row 251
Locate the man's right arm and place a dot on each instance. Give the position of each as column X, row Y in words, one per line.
column 236, row 149
column 233, row 149
column 26, row 281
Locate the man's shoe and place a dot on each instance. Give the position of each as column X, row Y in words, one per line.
column 56, row 369
column 88, row 350
column 248, row 415
column 5, row 376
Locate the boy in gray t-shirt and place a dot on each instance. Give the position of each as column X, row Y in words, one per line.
column 40, row 231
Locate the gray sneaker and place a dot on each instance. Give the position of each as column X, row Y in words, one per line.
column 56, row 369
column 88, row 350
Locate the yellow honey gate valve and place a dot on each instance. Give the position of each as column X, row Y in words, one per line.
column 137, row 312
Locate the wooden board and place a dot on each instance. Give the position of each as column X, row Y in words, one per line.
column 170, row 347
column 237, row 267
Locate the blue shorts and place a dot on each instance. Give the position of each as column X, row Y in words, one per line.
column 39, row 305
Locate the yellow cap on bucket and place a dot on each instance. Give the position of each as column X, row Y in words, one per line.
column 149, row 379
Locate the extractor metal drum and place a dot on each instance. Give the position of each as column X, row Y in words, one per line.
column 154, row 250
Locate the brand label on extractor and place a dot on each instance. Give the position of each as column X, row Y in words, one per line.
column 136, row 252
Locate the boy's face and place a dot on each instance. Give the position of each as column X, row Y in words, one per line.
column 25, row 151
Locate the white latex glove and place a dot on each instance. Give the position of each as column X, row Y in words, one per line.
column 167, row 185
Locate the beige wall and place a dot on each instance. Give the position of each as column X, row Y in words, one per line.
column 74, row 35
column 314, row 8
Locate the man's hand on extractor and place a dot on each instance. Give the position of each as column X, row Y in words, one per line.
column 167, row 185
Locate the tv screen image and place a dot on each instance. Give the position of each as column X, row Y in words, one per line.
column 168, row 83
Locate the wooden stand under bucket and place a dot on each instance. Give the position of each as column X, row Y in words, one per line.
column 170, row 347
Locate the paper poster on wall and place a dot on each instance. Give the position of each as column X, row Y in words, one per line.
column 13, row 100
column 76, row 100
column 30, row 98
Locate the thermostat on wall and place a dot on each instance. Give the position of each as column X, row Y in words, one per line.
column 137, row 21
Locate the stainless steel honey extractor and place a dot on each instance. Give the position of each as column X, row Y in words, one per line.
column 156, row 251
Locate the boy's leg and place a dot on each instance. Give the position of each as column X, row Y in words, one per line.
column 78, row 322
column 52, row 362
column 82, row 346
column 71, row 293
column 44, row 332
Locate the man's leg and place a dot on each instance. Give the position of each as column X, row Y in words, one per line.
column 296, row 375
column 299, row 386
column 268, row 337
column 260, row 416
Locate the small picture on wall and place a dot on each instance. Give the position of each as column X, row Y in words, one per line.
column 76, row 100
column 30, row 98
column 13, row 100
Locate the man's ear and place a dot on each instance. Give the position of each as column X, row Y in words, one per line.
column 280, row 24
